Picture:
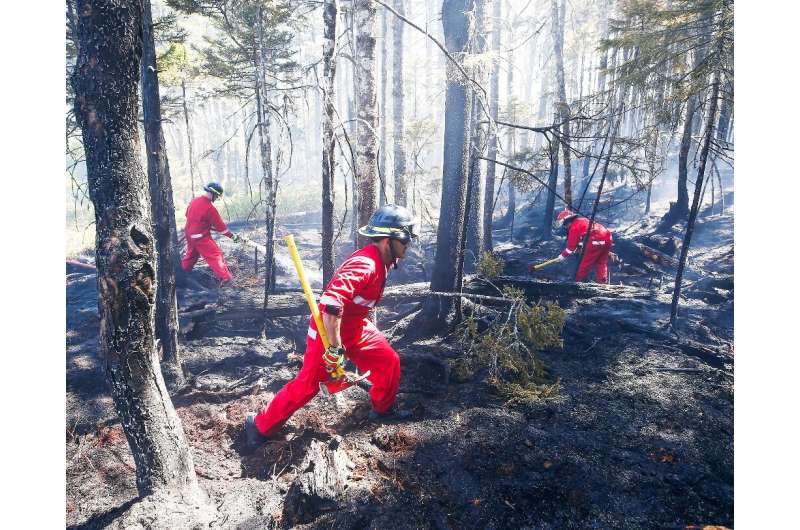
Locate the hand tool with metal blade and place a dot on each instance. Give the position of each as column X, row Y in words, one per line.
column 346, row 380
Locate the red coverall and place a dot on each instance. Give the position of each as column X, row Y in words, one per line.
column 201, row 218
column 599, row 247
column 356, row 287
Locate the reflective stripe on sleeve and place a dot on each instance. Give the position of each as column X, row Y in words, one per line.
column 363, row 301
column 197, row 236
column 329, row 300
column 312, row 333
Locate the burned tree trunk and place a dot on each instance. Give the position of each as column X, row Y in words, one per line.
column 398, row 132
column 366, row 143
column 557, row 25
column 105, row 82
column 552, row 181
column 494, row 107
column 382, row 176
column 448, row 264
column 328, row 138
column 698, row 186
column 679, row 210
column 267, row 178
column 166, row 233
column 476, row 202
column 508, row 218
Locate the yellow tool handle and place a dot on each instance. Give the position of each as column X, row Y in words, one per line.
column 312, row 304
column 545, row 264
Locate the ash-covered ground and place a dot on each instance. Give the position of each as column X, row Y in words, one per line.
column 639, row 433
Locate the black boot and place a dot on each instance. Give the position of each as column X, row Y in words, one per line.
column 254, row 436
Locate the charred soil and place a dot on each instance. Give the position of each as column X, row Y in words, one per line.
column 639, row 433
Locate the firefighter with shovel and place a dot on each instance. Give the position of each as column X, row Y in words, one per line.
column 343, row 331
column 596, row 254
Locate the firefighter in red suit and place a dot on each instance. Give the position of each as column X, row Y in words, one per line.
column 356, row 287
column 599, row 245
column 201, row 218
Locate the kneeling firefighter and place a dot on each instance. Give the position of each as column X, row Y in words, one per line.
column 597, row 252
column 356, row 287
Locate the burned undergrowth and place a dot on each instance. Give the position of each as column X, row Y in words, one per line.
column 580, row 410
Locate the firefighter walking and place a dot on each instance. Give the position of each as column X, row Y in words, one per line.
column 356, row 287
column 201, row 218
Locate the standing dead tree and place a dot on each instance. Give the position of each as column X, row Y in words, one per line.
column 476, row 204
column 398, row 130
column 557, row 25
column 329, row 13
column 366, row 170
column 711, row 119
column 448, row 264
column 105, row 82
column 494, row 108
column 164, row 227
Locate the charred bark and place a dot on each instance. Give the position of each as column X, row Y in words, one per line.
column 382, row 177
column 268, row 184
column 494, row 106
column 476, row 182
column 329, row 12
column 550, row 204
column 679, row 210
column 163, row 209
column 366, row 143
column 105, row 82
column 400, row 188
column 698, row 186
column 557, row 25
column 448, row 264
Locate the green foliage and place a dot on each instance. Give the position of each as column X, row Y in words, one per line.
column 664, row 49
column 490, row 265
column 505, row 351
column 231, row 55
column 176, row 64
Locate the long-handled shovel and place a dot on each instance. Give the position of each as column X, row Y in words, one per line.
column 349, row 379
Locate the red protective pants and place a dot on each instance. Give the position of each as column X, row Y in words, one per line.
column 595, row 256
column 208, row 249
column 369, row 351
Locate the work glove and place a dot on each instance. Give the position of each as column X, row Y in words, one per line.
column 333, row 358
column 236, row 238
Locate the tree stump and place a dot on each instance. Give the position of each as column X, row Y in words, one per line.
column 322, row 480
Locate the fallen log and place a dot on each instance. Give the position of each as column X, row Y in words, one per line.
column 243, row 306
column 567, row 292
